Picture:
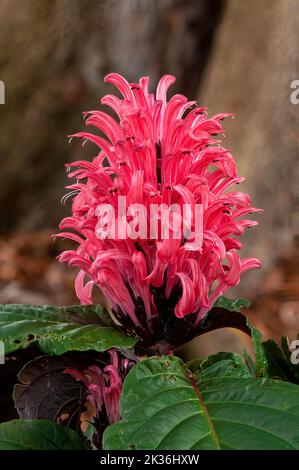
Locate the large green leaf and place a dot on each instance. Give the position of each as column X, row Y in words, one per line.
column 165, row 406
column 39, row 434
column 57, row 330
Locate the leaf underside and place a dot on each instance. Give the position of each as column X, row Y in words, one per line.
column 46, row 392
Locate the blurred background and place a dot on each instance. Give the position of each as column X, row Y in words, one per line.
column 235, row 56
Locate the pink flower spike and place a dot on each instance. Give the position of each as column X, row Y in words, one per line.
column 104, row 385
column 157, row 274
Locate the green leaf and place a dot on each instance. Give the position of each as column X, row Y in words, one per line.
column 222, row 364
column 39, row 434
column 270, row 360
column 56, row 330
column 276, row 363
column 249, row 363
column 164, row 406
column 78, row 313
column 261, row 363
column 232, row 305
column 220, row 316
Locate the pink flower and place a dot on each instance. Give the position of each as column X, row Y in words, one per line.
column 104, row 386
column 157, row 152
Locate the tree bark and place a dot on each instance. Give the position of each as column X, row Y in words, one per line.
column 53, row 57
column 254, row 59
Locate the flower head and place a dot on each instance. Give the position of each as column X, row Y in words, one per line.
column 165, row 153
column 104, row 386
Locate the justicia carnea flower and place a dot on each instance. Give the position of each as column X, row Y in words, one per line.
column 157, row 152
column 104, row 386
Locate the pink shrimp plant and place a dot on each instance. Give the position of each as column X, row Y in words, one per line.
column 162, row 152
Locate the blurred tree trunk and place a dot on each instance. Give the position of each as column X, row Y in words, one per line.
column 53, row 57
column 254, row 59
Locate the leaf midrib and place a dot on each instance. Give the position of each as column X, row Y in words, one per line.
column 196, row 389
